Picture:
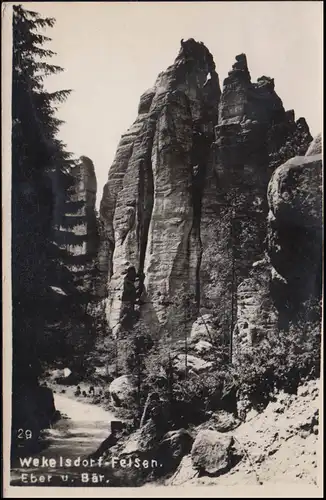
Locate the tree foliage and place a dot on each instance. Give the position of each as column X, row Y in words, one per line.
column 43, row 288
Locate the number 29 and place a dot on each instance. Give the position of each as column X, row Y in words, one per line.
column 25, row 434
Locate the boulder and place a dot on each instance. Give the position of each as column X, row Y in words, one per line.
column 221, row 421
column 203, row 347
column 178, row 443
column 202, row 328
column 194, row 364
column 121, row 390
column 184, row 473
column 141, row 441
column 295, row 231
column 211, row 452
column 172, row 448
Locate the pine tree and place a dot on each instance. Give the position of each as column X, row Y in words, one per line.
column 37, row 154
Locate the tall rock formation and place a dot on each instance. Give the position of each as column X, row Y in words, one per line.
column 286, row 284
column 150, row 208
column 184, row 210
column 254, row 135
column 75, row 225
column 75, row 232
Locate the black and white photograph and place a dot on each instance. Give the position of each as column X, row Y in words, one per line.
column 163, row 242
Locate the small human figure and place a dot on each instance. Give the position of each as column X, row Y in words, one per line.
column 91, row 390
column 78, row 391
column 84, row 394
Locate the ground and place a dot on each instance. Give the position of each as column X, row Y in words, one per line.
column 280, row 445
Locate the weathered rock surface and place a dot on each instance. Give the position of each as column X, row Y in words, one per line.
column 162, row 451
column 142, row 441
column 257, row 316
column 76, row 223
column 315, row 147
column 211, row 452
column 172, row 448
column 253, row 135
column 151, row 181
column 185, row 203
column 203, row 347
column 295, row 229
column 75, row 226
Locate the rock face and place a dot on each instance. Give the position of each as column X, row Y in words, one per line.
column 257, row 316
column 75, row 225
column 184, row 210
column 152, row 181
column 253, row 135
column 295, row 229
column 202, row 328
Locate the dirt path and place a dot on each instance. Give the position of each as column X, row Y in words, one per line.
column 74, row 437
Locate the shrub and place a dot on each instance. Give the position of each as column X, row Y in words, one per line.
column 281, row 362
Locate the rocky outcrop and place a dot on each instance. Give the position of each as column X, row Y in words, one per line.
column 290, row 274
column 75, row 225
column 152, row 181
column 253, row 135
column 295, row 230
column 184, row 209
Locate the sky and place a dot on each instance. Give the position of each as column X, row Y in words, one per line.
column 112, row 52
